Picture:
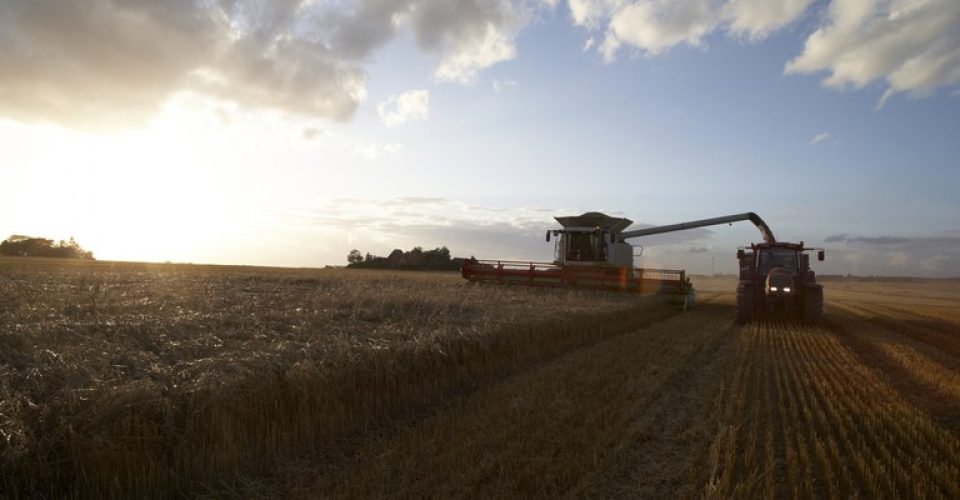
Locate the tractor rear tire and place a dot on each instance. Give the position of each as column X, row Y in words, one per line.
column 745, row 302
column 813, row 304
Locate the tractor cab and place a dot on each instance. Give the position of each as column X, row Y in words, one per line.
column 777, row 276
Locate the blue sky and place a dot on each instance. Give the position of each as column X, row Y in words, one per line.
column 317, row 127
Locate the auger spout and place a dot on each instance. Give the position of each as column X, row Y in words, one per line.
column 750, row 216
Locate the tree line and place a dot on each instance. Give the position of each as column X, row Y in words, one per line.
column 27, row 246
column 417, row 258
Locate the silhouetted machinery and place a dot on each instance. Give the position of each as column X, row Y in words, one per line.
column 775, row 278
column 591, row 252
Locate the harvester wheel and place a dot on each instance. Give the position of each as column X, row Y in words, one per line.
column 745, row 305
column 813, row 303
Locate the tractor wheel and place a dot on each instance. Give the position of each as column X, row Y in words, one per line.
column 745, row 305
column 813, row 303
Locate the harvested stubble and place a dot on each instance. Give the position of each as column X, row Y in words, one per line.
column 619, row 419
column 834, row 427
column 129, row 380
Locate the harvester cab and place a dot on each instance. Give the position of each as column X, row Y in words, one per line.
column 776, row 278
column 591, row 239
column 589, row 252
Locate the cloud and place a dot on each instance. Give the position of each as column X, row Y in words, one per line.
column 379, row 225
column 658, row 25
column 588, row 44
column 470, row 34
column 885, row 240
column 310, row 133
column 406, row 201
column 114, row 63
column 375, row 150
column 698, row 250
column 408, row 106
column 913, row 46
column 108, row 63
column 759, row 18
column 821, row 137
column 654, row 26
column 499, row 85
column 931, row 256
column 590, row 13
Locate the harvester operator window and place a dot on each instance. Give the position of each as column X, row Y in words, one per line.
column 581, row 248
column 777, row 258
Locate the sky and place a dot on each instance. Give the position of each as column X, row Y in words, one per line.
column 288, row 132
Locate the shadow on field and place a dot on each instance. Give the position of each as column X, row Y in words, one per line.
column 861, row 336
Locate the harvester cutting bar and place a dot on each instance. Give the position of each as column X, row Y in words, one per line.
column 599, row 277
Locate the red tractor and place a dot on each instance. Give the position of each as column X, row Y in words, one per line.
column 776, row 279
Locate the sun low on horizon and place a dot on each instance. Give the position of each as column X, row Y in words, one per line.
column 289, row 133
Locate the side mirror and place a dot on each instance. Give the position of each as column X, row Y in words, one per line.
column 820, row 255
column 548, row 236
column 740, row 254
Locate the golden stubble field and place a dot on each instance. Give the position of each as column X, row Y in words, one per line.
column 130, row 380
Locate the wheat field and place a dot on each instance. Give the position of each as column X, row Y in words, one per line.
column 132, row 380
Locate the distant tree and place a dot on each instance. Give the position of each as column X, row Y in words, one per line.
column 355, row 257
column 26, row 246
column 416, row 258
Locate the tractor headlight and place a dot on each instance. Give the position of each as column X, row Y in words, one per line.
column 773, row 289
column 786, row 289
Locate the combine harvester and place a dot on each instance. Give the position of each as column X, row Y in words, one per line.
column 591, row 252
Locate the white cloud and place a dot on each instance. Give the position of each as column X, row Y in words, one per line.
column 913, row 46
column 590, row 13
column 821, row 137
column 467, row 35
column 929, row 256
column 466, row 57
column 588, row 44
column 759, row 18
column 380, row 225
column 408, row 106
column 311, row 133
column 499, row 85
column 654, row 26
column 375, row 150
column 657, row 25
column 478, row 34
column 113, row 63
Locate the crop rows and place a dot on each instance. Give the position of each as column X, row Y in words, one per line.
column 124, row 380
column 805, row 417
column 149, row 381
column 621, row 418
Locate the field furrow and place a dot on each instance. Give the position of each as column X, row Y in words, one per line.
column 845, row 431
column 617, row 419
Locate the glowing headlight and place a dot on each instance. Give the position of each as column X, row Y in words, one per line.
column 786, row 289
column 773, row 289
